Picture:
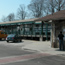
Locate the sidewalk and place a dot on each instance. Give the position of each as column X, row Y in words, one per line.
column 38, row 46
column 43, row 47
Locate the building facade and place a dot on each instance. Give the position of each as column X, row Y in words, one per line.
column 28, row 29
column 57, row 21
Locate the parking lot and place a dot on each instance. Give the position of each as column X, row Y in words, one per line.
column 30, row 52
column 17, row 53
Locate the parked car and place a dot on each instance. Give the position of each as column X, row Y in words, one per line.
column 14, row 38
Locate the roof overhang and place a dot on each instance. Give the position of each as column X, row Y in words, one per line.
column 56, row 16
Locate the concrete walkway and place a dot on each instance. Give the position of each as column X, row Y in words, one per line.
column 43, row 47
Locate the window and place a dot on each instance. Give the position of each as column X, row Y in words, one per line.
column 43, row 33
column 37, row 33
column 37, row 25
column 5, row 33
column 49, row 33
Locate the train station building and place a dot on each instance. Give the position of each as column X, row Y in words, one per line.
column 28, row 29
column 43, row 29
column 57, row 21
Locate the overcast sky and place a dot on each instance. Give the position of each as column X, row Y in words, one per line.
column 11, row 6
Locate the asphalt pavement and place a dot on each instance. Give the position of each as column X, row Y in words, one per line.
column 49, row 60
column 38, row 46
column 29, row 52
column 11, row 49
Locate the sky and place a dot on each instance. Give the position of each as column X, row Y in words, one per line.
column 11, row 6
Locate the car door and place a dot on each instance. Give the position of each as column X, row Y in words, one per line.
column 16, row 37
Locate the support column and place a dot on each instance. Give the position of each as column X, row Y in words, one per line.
column 24, row 29
column 41, row 36
column 12, row 29
column 16, row 28
column 5, row 29
column 53, row 35
column 46, row 31
column 32, row 29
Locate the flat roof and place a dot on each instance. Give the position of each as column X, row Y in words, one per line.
column 19, row 21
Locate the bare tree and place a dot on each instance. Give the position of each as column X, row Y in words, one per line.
column 36, row 7
column 50, row 6
column 60, row 5
column 21, row 14
column 11, row 17
column 4, row 19
column 54, row 5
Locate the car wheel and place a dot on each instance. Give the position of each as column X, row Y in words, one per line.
column 0, row 38
column 20, row 40
column 14, row 41
column 7, row 41
column 17, row 41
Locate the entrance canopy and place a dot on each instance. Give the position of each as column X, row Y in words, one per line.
column 27, row 21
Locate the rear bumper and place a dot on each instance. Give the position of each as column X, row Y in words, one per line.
column 10, row 40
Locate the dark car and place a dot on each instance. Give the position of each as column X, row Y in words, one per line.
column 14, row 38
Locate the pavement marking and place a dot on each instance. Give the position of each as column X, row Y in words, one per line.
column 30, row 50
column 12, row 59
column 62, row 55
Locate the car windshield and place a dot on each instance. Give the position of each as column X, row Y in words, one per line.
column 11, row 35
